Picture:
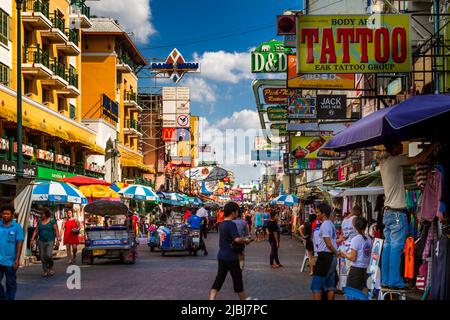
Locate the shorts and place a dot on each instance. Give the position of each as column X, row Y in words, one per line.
column 309, row 245
column 324, row 282
column 357, row 278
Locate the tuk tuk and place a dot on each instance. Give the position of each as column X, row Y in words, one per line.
column 112, row 238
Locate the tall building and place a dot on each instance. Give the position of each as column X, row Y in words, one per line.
column 56, row 143
column 110, row 104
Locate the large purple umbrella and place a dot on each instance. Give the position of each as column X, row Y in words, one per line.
column 399, row 120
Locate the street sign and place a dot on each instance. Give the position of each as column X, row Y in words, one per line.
column 183, row 120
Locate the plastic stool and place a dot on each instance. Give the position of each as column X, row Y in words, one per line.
column 354, row 294
column 303, row 266
column 384, row 292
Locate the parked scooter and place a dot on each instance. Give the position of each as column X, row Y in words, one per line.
column 194, row 241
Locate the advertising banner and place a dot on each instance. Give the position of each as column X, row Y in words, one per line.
column 301, row 107
column 290, row 41
column 312, row 147
column 10, row 168
column 277, row 113
column 168, row 134
column 51, row 174
column 169, row 120
column 317, row 80
column 331, row 106
column 198, row 173
column 276, row 95
column 353, row 43
column 195, row 135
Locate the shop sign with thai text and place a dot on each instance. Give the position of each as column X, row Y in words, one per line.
column 378, row 43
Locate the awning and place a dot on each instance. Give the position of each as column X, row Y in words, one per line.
column 407, row 120
column 40, row 118
column 367, row 191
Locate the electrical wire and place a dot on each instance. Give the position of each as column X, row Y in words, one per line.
column 328, row 5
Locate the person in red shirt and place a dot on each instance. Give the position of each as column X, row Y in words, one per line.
column 220, row 217
column 187, row 214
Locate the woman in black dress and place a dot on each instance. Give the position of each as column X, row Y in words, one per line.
column 306, row 233
column 274, row 239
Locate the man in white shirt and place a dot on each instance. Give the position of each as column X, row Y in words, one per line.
column 394, row 217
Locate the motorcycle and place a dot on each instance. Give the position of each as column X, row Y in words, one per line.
column 194, row 241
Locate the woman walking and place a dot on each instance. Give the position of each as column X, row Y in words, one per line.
column 306, row 231
column 71, row 230
column 274, row 239
column 46, row 231
column 360, row 249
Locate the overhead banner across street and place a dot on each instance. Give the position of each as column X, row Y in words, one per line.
column 378, row 43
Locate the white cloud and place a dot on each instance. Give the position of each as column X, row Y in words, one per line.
column 224, row 66
column 245, row 119
column 134, row 15
column 201, row 91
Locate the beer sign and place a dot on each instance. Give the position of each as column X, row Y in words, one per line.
column 270, row 57
column 378, row 43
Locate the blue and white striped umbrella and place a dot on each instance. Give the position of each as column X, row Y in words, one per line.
column 138, row 192
column 195, row 201
column 57, row 192
column 285, row 199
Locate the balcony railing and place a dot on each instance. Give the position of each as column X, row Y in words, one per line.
column 85, row 10
column 127, row 60
column 58, row 22
column 35, row 54
column 73, row 35
column 110, row 108
column 59, row 69
column 132, row 124
column 130, row 96
column 72, row 77
column 41, row 6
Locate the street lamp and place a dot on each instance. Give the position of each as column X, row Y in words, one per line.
column 19, row 170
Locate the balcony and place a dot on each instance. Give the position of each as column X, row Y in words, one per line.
column 57, row 33
column 80, row 14
column 125, row 64
column 36, row 63
column 110, row 109
column 131, row 99
column 59, row 78
column 36, row 14
column 70, row 48
column 71, row 90
column 132, row 127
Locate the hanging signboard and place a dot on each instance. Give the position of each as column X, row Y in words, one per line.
column 277, row 113
column 331, row 106
column 183, row 120
column 395, row 87
column 175, row 66
column 266, row 155
column 276, row 95
column 270, row 57
column 169, row 121
column 278, row 129
column 10, row 168
column 317, row 80
column 353, row 43
column 301, row 107
column 312, row 147
column 290, row 41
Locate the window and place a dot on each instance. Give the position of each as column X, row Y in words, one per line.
column 5, row 74
column 5, row 27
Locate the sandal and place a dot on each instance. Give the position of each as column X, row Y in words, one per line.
column 51, row 273
column 44, row 274
column 275, row 266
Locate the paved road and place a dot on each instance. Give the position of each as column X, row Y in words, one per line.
column 175, row 276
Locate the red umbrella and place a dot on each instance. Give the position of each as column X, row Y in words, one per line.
column 83, row 181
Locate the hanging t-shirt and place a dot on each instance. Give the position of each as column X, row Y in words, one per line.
column 348, row 230
column 327, row 230
column 363, row 248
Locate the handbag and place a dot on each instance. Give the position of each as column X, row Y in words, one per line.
column 75, row 230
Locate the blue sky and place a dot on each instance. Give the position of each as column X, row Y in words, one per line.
column 222, row 91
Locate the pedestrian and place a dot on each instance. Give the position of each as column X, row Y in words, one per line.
column 266, row 218
column 306, row 233
column 258, row 224
column 11, row 242
column 228, row 260
column 46, row 232
column 273, row 232
column 394, row 217
column 243, row 233
column 324, row 278
column 248, row 219
column 71, row 229
column 187, row 214
column 203, row 213
column 360, row 250
column 348, row 228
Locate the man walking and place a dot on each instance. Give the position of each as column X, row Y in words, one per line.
column 203, row 213
column 228, row 259
column 11, row 241
column 394, row 217
column 324, row 278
